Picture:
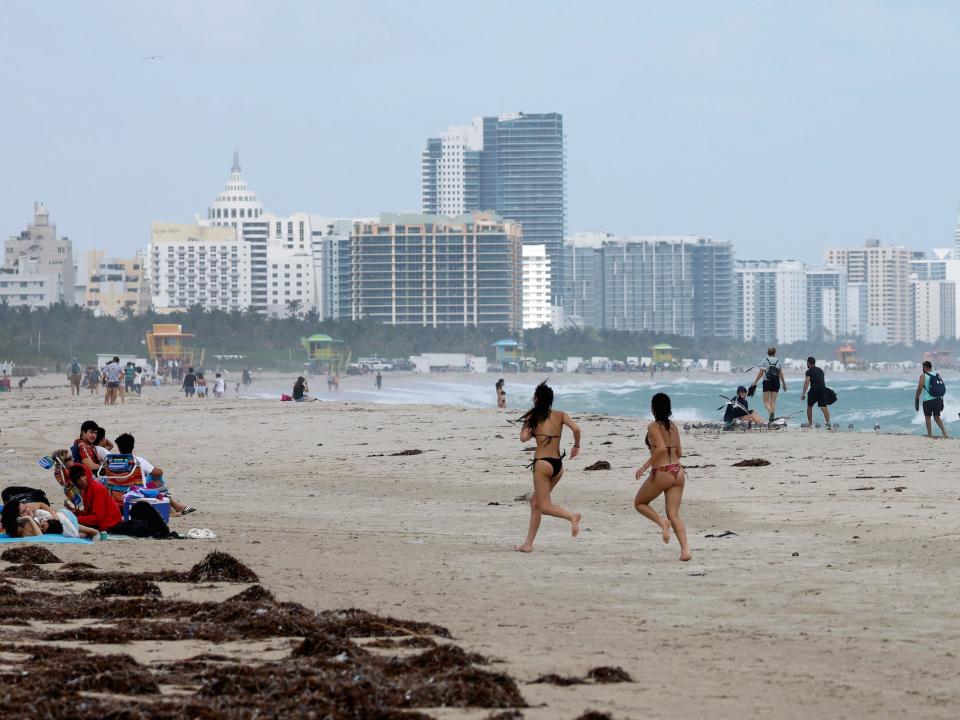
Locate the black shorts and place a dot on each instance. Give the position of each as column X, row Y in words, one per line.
column 771, row 385
column 815, row 397
column 113, row 384
column 933, row 407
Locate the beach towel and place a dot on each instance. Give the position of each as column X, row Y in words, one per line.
column 58, row 539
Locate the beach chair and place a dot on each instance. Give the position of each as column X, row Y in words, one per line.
column 62, row 476
column 119, row 474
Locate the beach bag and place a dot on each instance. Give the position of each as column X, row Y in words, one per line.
column 935, row 385
column 285, row 398
column 829, row 396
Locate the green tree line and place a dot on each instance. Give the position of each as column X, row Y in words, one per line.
column 47, row 336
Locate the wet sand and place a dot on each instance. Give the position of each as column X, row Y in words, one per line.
column 836, row 597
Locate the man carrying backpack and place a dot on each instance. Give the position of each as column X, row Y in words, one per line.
column 772, row 373
column 932, row 388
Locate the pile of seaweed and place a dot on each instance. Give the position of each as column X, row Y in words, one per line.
column 329, row 673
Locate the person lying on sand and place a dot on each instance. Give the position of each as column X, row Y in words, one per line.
column 33, row 519
column 667, row 475
column 545, row 425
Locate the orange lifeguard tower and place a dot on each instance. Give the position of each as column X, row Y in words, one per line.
column 847, row 354
column 166, row 342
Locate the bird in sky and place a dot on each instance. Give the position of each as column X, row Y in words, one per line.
column 153, row 57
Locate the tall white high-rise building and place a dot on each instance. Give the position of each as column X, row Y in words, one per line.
column 237, row 206
column 772, row 304
column 198, row 265
column 857, row 309
column 537, row 311
column 291, row 290
column 332, row 265
column 826, row 303
column 885, row 269
column 451, row 170
column 934, row 308
column 513, row 164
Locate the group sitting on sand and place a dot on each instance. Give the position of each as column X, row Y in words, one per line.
column 98, row 478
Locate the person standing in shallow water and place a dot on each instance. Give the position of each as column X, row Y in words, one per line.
column 545, row 425
column 667, row 475
column 932, row 404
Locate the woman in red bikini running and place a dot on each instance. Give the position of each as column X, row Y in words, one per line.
column 666, row 473
column 545, row 425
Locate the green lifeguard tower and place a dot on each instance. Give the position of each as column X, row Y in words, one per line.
column 508, row 351
column 662, row 353
column 323, row 350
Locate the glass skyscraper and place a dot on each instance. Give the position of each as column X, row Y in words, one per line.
column 515, row 165
column 431, row 270
column 670, row 285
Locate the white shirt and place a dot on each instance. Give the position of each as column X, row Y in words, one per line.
column 220, row 385
column 144, row 465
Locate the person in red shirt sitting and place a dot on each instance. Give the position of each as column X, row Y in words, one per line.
column 83, row 449
column 102, row 513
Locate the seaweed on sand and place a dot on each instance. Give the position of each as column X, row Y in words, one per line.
column 605, row 674
column 29, row 554
column 124, row 586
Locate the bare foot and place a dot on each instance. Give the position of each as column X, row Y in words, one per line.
column 666, row 530
column 685, row 555
column 523, row 548
column 575, row 525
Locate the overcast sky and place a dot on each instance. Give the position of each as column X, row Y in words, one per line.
column 786, row 127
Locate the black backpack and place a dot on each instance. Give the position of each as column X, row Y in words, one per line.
column 773, row 370
column 935, row 385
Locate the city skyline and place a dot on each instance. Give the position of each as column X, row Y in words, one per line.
column 749, row 123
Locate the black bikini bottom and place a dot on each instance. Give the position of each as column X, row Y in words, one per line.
column 555, row 463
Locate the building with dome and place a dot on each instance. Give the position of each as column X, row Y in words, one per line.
column 236, row 203
column 280, row 252
column 38, row 260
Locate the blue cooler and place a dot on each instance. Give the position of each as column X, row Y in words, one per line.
column 161, row 506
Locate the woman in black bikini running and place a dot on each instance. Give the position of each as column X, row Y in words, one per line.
column 545, row 425
column 667, row 475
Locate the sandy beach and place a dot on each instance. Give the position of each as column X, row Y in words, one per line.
column 836, row 597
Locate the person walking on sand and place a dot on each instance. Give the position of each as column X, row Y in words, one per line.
column 545, row 425
column 817, row 395
column 75, row 375
column 773, row 380
column 667, row 475
column 112, row 373
column 379, row 380
column 189, row 384
column 501, row 394
column 932, row 389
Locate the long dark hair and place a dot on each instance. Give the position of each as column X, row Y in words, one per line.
column 542, row 405
column 660, row 405
column 10, row 518
column 499, row 384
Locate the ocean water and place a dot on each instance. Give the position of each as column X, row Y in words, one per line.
column 863, row 400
